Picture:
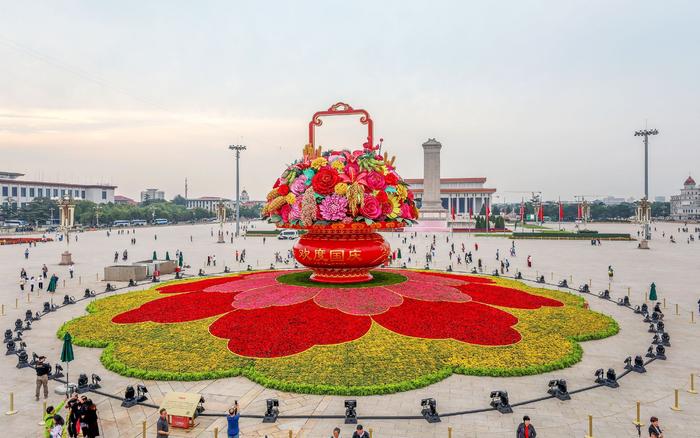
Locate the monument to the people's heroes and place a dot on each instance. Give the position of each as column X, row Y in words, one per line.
column 432, row 213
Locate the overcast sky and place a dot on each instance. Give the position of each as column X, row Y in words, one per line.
column 533, row 95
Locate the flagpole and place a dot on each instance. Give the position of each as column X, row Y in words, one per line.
column 559, row 213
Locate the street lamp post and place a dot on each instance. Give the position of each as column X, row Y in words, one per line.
column 646, row 133
column 238, row 148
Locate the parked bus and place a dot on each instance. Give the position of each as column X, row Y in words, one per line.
column 138, row 222
column 161, row 221
column 121, row 223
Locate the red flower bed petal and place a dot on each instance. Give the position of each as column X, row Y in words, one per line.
column 282, row 331
column 506, row 296
column 179, row 308
column 467, row 322
column 194, row 286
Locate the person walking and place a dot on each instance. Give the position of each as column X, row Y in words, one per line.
column 42, row 377
column 529, row 261
column 611, row 272
column 162, row 427
column 26, row 253
column 654, row 428
column 360, row 432
column 22, row 282
column 32, row 282
column 44, row 271
column 73, row 405
column 232, row 421
column 89, row 420
column 40, row 282
column 526, row 429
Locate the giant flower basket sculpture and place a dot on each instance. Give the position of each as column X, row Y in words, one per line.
column 341, row 198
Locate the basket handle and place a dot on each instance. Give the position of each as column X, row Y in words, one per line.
column 340, row 109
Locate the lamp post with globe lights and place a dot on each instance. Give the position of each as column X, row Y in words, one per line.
column 647, row 228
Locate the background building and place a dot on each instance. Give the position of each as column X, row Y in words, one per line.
column 18, row 192
column 152, row 194
column 458, row 195
column 209, row 203
column 124, row 200
column 244, row 196
column 686, row 206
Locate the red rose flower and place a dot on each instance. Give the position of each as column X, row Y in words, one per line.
column 391, row 179
column 382, row 196
column 324, row 181
column 371, row 207
column 375, row 181
column 283, row 189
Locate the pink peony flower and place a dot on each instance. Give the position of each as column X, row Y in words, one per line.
column 299, row 185
column 371, row 207
column 334, row 207
column 375, row 181
column 295, row 212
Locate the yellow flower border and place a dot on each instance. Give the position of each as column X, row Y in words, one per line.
column 380, row 362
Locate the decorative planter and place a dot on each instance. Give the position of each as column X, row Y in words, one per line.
column 341, row 254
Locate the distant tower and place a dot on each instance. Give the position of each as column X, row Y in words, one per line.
column 186, row 189
column 431, row 206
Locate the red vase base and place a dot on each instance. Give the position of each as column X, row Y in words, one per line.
column 340, row 276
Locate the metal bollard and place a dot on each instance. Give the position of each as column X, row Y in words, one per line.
column 12, row 410
column 629, row 292
column 80, row 279
column 677, row 309
column 692, row 384
column 3, row 310
column 64, row 283
column 449, row 432
column 43, row 412
column 16, row 303
column 571, row 279
column 590, row 427
column 216, row 432
column 143, row 425
column 692, row 317
column 676, row 405
column 590, row 283
column 664, row 302
column 29, row 299
column 370, row 432
column 290, row 434
column 638, row 420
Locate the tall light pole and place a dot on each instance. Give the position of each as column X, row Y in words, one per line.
column 646, row 133
column 238, row 148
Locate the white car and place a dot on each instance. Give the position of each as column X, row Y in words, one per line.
column 288, row 235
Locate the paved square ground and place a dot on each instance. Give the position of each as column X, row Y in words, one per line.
column 675, row 268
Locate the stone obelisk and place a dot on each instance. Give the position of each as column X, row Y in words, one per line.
column 431, row 205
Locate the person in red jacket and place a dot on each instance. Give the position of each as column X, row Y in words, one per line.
column 526, row 429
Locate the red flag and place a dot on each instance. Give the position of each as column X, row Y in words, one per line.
column 541, row 213
column 561, row 211
column 453, row 213
column 471, row 213
column 578, row 213
column 522, row 212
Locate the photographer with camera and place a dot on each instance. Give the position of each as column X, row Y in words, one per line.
column 42, row 377
column 232, row 420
